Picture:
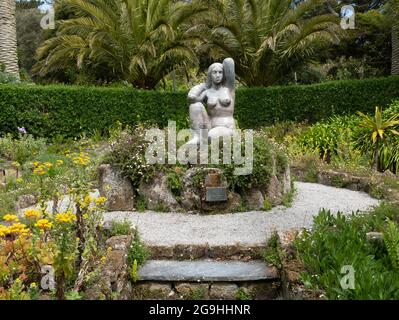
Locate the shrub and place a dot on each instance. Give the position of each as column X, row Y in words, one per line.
column 331, row 138
column 128, row 154
column 70, row 110
column 338, row 241
column 8, row 78
column 21, row 150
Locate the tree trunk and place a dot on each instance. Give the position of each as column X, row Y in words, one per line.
column 8, row 37
column 395, row 49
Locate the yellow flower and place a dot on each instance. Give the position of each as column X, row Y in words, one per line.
column 44, row 224
column 83, row 159
column 10, row 218
column 4, row 231
column 32, row 213
column 39, row 170
column 36, row 164
column 60, row 162
column 100, row 201
column 33, row 285
column 103, row 259
column 48, row 164
column 88, row 200
column 65, row 217
column 19, row 228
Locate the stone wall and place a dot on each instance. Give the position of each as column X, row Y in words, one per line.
column 159, row 197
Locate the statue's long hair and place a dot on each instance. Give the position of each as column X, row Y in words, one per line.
column 208, row 82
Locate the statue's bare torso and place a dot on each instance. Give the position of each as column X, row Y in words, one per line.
column 218, row 95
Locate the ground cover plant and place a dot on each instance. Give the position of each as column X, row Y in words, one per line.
column 338, row 241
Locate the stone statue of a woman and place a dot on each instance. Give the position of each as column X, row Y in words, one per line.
column 212, row 103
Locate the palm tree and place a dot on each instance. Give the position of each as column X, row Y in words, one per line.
column 268, row 39
column 139, row 41
column 8, row 37
column 393, row 12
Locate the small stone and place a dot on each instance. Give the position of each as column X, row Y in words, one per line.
column 193, row 290
column 153, row 290
column 119, row 242
column 262, row 290
column 378, row 236
column 223, row 291
column 158, row 194
column 274, row 192
column 253, row 199
column 117, row 189
column 287, row 186
column 25, row 201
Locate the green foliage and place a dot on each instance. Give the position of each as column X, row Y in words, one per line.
column 136, row 41
column 330, row 138
column 378, row 138
column 391, row 240
column 338, row 241
column 263, row 153
column 50, row 111
column 119, row 228
column 267, row 205
column 273, row 253
column 268, row 38
column 137, row 251
column 8, row 78
column 174, row 180
column 133, row 274
column 288, row 198
column 73, row 295
column 198, row 294
column 21, row 150
column 243, row 295
column 128, row 154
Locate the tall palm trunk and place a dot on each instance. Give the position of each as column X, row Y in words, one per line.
column 8, row 37
column 395, row 49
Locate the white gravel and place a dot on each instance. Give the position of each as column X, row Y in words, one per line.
column 249, row 228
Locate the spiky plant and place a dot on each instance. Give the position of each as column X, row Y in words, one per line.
column 139, row 41
column 267, row 38
column 376, row 131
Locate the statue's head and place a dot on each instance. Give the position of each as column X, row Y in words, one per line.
column 215, row 75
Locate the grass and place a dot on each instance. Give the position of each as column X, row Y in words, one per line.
column 119, row 228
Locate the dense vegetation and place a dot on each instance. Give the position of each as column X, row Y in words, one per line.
column 50, row 111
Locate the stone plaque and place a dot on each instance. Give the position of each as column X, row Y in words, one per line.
column 218, row 194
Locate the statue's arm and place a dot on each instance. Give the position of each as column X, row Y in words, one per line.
column 197, row 93
column 229, row 73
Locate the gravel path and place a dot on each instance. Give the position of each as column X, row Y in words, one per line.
column 249, row 228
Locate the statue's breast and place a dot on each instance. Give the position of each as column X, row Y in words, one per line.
column 225, row 98
column 222, row 97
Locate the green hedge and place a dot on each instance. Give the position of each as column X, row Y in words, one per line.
column 71, row 110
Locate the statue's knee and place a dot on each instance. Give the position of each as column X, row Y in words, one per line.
column 197, row 109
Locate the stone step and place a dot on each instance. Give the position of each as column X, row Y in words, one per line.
column 205, row 251
column 206, row 271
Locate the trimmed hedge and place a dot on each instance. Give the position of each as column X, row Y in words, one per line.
column 71, row 110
